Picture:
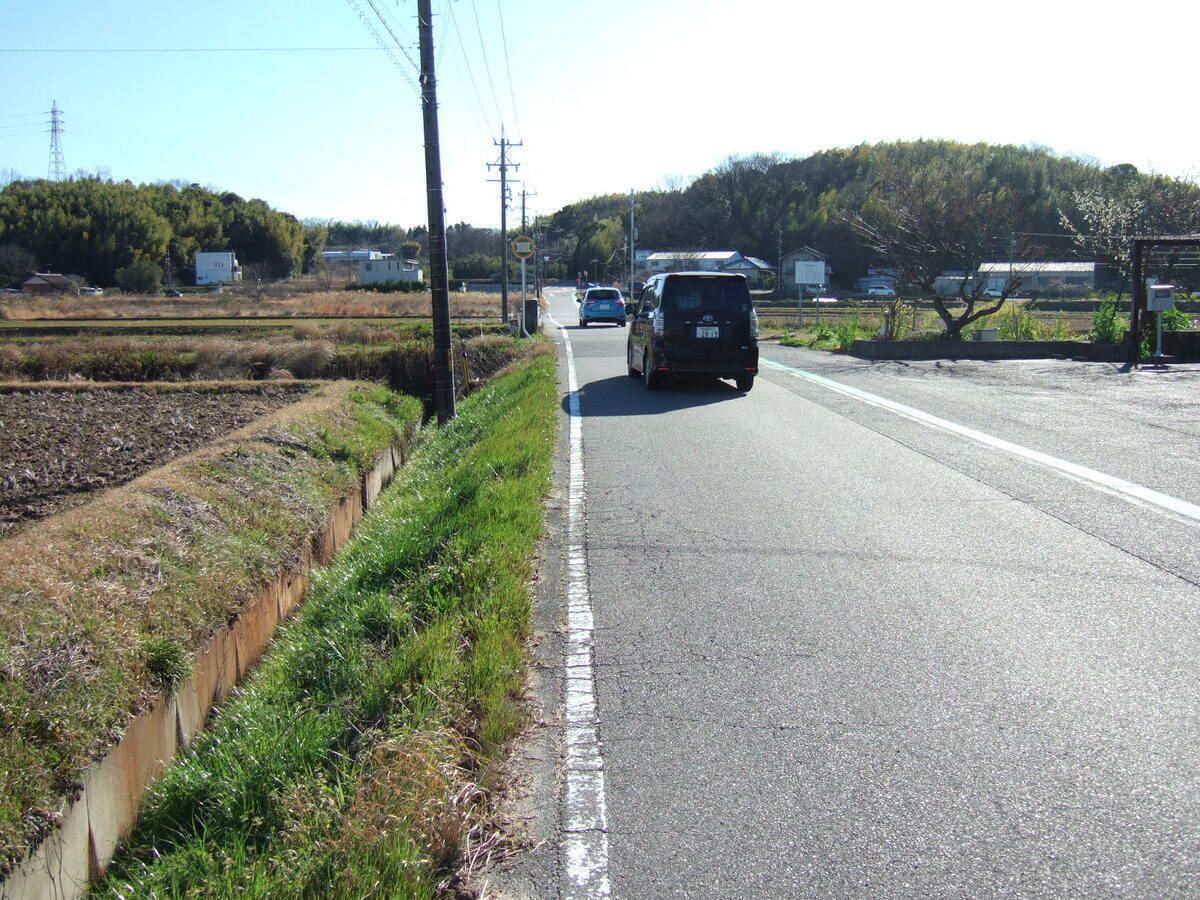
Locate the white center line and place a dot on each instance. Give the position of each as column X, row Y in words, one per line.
column 1092, row 477
column 584, row 820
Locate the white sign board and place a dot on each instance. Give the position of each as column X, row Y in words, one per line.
column 810, row 271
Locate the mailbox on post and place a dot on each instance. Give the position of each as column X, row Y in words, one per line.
column 1160, row 298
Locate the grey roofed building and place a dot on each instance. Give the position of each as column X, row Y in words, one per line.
column 751, row 266
column 690, row 260
column 1041, row 276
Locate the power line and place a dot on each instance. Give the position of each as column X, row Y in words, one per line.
column 508, row 69
column 486, row 66
column 387, row 24
column 190, row 49
column 470, row 73
column 383, row 44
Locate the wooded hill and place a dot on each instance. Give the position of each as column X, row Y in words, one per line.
column 756, row 204
column 91, row 227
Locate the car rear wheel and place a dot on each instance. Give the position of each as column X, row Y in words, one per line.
column 649, row 379
column 583, row 323
column 744, row 382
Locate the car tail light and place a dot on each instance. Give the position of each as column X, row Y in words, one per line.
column 753, row 324
column 587, row 303
column 658, row 321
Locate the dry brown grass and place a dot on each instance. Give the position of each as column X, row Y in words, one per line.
column 238, row 304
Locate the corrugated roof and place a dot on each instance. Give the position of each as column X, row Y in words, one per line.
column 1029, row 268
column 694, row 254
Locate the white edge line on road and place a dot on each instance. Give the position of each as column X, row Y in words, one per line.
column 1083, row 473
column 584, row 818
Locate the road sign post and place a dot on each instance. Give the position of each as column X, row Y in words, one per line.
column 523, row 248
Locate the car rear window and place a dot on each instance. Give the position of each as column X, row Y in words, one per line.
column 604, row 295
column 691, row 294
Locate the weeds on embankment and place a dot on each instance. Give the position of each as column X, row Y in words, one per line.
column 347, row 765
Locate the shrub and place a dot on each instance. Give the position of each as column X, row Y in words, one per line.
column 306, row 331
column 305, row 359
column 847, row 333
column 10, row 359
column 1015, row 323
column 1176, row 320
column 1107, row 325
column 390, row 287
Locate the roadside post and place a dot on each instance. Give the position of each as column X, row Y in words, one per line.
column 523, row 249
column 1159, row 299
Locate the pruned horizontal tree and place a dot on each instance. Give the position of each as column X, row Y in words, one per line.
column 943, row 216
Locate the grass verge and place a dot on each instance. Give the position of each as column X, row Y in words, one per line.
column 347, row 764
column 103, row 607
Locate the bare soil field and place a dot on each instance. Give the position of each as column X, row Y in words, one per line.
column 59, row 444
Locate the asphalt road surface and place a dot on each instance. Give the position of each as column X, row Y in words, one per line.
column 843, row 649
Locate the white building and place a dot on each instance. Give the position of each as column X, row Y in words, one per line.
column 691, row 260
column 346, row 256
column 217, row 268
column 373, row 271
column 1058, row 277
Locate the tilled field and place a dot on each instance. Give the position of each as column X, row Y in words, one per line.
column 57, row 445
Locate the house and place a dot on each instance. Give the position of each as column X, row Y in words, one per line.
column 1043, row 277
column 691, row 260
column 49, row 283
column 374, row 271
column 804, row 268
column 217, row 267
column 752, row 267
column 347, row 256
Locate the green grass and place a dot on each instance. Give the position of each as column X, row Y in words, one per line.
column 106, row 604
column 347, row 764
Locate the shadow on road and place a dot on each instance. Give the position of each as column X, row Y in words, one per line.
column 625, row 396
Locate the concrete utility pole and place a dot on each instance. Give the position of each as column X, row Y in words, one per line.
column 443, row 363
column 504, row 165
column 632, row 240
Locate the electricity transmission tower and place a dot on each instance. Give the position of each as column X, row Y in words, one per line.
column 58, row 168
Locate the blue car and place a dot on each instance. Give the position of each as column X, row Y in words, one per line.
column 601, row 304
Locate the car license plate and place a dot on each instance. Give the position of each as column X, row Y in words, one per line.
column 708, row 331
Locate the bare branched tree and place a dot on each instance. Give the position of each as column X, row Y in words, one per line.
column 942, row 216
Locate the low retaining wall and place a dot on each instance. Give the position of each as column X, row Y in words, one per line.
column 93, row 824
column 989, row 350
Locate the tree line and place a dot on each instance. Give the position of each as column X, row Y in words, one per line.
column 979, row 202
column 93, row 228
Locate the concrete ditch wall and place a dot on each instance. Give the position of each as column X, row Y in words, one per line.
column 94, row 824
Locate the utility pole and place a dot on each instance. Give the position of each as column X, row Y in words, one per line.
column 443, row 364
column 779, row 276
column 58, row 169
column 504, row 165
column 632, row 239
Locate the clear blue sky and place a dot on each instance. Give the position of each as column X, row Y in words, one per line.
column 605, row 97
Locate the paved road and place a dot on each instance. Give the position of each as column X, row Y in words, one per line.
column 839, row 651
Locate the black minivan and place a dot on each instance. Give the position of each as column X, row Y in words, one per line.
column 695, row 323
